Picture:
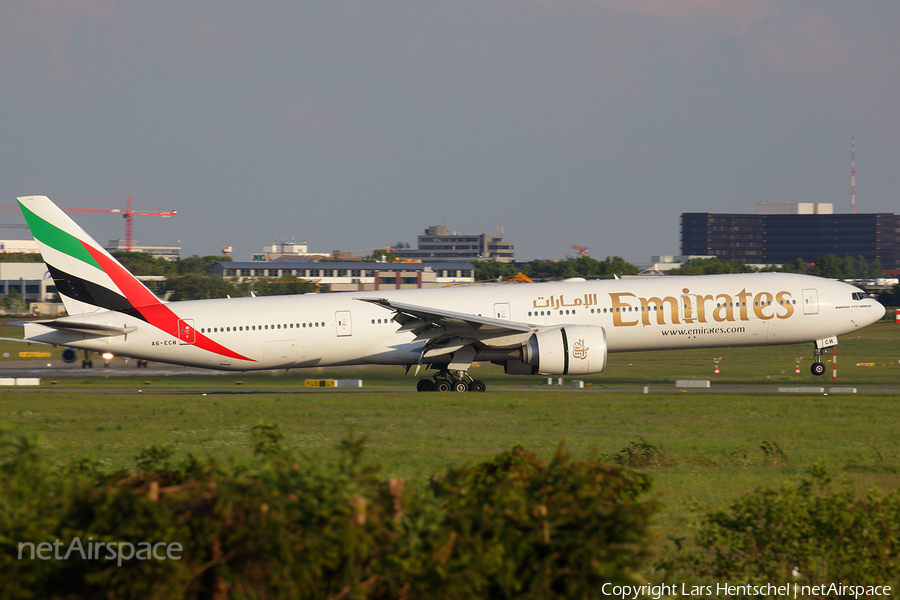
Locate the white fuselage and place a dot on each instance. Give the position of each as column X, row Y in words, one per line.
column 637, row 314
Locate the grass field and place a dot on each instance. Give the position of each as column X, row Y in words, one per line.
column 705, row 445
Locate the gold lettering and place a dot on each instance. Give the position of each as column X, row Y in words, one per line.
column 701, row 308
column 785, row 298
column 657, row 308
column 760, row 302
column 724, row 307
column 743, row 297
column 696, row 308
column 673, row 306
column 619, row 307
column 688, row 311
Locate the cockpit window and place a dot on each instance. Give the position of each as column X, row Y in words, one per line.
column 860, row 295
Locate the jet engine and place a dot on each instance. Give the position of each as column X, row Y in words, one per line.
column 69, row 355
column 571, row 350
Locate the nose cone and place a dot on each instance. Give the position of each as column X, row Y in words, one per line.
column 879, row 310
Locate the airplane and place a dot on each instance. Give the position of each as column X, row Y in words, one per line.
column 557, row 328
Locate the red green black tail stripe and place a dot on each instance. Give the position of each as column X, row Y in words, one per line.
column 131, row 297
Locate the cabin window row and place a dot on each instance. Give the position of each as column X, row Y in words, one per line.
column 262, row 327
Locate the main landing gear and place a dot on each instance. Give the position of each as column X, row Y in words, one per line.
column 443, row 381
column 818, row 367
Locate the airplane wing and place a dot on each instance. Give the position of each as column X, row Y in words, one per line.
column 446, row 331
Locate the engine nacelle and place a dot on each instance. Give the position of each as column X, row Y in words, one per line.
column 572, row 350
column 69, row 355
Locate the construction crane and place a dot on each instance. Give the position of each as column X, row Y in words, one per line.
column 128, row 213
column 582, row 250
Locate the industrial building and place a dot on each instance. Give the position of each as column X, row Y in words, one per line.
column 438, row 245
column 31, row 281
column 170, row 253
column 19, row 247
column 353, row 276
column 782, row 233
column 292, row 250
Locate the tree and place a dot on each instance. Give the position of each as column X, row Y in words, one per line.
column 860, row 267
column 582, row 266
column 378, row 255
column 23, row 257
column 486, row 270
column 832, row 267
column 712, row 266
column 282, row 286
column 14, row 301
column 890, row 297
column 199, row 264
column 195, row 286
column 141, row 263
column 875, row 269
column 798, row 267
column 617, row 266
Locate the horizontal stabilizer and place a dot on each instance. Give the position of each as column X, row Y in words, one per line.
column 26, row 341
column 91, row 328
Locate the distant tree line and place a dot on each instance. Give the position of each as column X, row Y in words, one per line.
column 190, row 279
column 197, row 286
column 23, row 257
column 141, row 263
column 582, row 266
column 827, row 265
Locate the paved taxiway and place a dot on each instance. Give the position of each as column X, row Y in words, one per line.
column 58, row 370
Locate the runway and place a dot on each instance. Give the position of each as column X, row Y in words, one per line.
column 57, row 369
column 118, row 368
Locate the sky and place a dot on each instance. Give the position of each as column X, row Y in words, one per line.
column 353, row 124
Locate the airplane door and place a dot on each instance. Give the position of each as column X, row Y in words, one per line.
column 810, row 302
column 186, row 333
column 342, row 322
column 501, row 311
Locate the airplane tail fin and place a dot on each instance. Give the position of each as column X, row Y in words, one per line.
column 87, row 277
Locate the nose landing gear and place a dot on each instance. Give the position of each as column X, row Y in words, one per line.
column 818, row 367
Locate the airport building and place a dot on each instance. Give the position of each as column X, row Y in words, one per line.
column 354, row 276
column 31, row 281
column 292, row 250
column 782, row 233
column 19, row 247
column 438, row 245
column 170, row 253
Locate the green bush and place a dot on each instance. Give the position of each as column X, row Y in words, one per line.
column 519, row 528
column 289, row 526
column 811, row 532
